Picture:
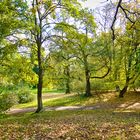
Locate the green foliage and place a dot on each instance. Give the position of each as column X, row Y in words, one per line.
column 21, row 91
column 6, row 88
column 103, row 85
column 17, row 68
column 7, row 100
column 25, row 96
column 78, row 87
column 97, row 86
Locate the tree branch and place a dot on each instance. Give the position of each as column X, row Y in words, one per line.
column 101, row 77
column 115, row 18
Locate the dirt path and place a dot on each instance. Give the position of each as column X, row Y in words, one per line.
column 49, row 96
column 25, row 110
column 133, row 104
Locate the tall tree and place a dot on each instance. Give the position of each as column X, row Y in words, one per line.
column 41, row 17
column 130, row 51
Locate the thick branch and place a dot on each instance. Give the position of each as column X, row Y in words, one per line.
column 101, row 77
column 124, row 10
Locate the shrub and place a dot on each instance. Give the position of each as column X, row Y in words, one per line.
column 78, row 87
column 24, row 96
column 97, row 86
column 7, row 100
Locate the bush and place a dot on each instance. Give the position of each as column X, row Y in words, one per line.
column 77, row 86
column 101, row 85
column 97, row 86
column 24, row 96
column 7, row 100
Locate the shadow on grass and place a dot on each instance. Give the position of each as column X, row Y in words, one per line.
column 98, row 116
column 131, row 101
column 67, row 101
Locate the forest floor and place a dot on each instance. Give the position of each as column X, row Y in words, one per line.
column 104, row 117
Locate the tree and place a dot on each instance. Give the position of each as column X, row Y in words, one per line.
column 86, row 50
column 80, row 40
column 40, row 18
column 8, row 44
column 64, row 60
column 130, row 52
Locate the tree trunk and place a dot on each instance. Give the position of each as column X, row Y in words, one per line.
column 39, row 93
column 40, row 81
column 67, row 87
column 88, row 88
column 123, row 91
column 67, row 73
column 67, row 81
